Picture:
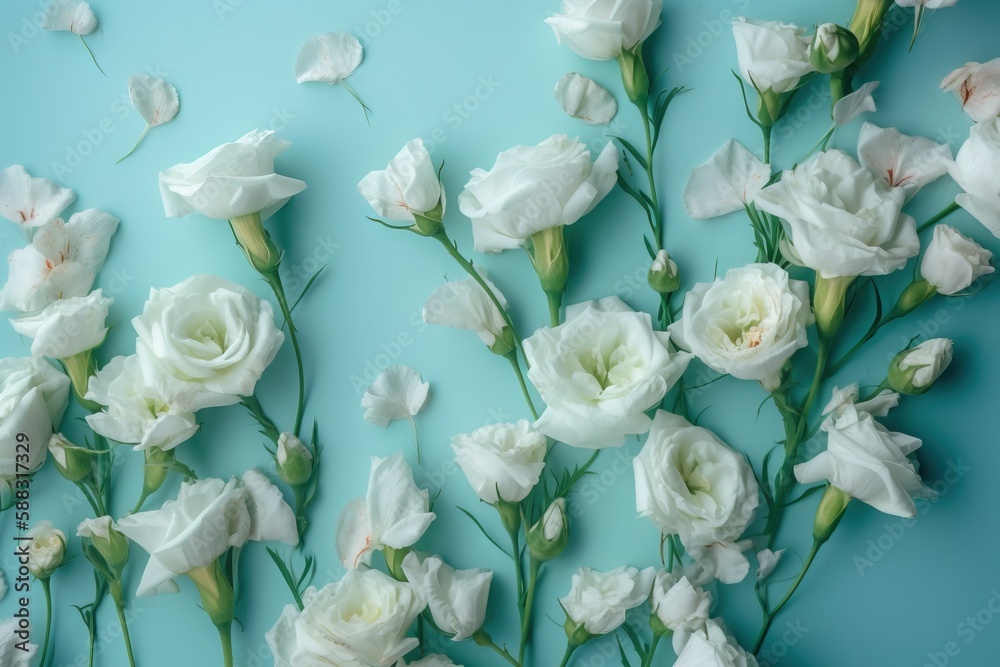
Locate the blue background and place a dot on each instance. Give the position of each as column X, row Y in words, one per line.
column 883, row 592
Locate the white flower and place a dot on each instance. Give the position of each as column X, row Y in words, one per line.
column 852, row 105
column 690, row 484
column 603, row 29
column 977, row 171
column 501, row 461
column 768, row 560
column 62, row 261
column 328, row 58
column 99, row 528
column 977, row 87
column 678, row 604
column 67, row 326
column 915, row 370
column 231, row 180
column 585, row 99
column 360, row 621
column 293, row 460
column 208, row 518
column 869, row 462
column 46, row 549
column 847, row 399
column 534, row 188
column 456, row 598
column 15, row 651
column 154, row 99
column 773, row 56
column 599, row 372
column 139, row 413
column 464, row 304
column 72, row 16
column 208, row 335
column 952, row 262
column 30, row 202
column 394, row 513
column 900, row 160
column 597, row 601
column 3, row 594
column 397, row 393
column 727, row 182
column 408, row 185
column 712, row 647
column 33, row 398
column 840, row 220
column 433, row 660
column 747, row 324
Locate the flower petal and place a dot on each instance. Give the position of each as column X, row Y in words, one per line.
column 72, row 16
column 585, row 99
column 728, row 181
column 31, row 202
column 154, row 99
column 397, row 393
column 854, row 104
column 328, row 58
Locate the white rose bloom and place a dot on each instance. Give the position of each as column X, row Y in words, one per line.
column 33, row 398
column 952, row 262
column 598, row 601
column 603, row 29
column 534, row 188
column 456, row 598
column 977, row 171
column 464, row 304
column 839, row 219
column 690, row 484
column 30, row 202
column 868, row 462
column 360, row 621
column 915, row 370
column 47, row 549
column 747, row 324
column 408, row 185
column 501, row 461
column 208, row 518
column 678, row 604
column 711, row 646
column 977, row 87
column 773, row 56
column 209, row 334
column 847, row 399
column 62, row 261
column 599, row 372
column 395, row 513
column 66, row 327
column 14, row 653
column 231, row 180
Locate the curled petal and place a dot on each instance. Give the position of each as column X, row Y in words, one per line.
column 328, row 58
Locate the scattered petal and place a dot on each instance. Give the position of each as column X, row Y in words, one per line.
column 328, row 58
column 397, row 393
column 853, row 105
column 154, row 99
column 585, row 99
column 31, row 202
column 72, row 16
column 730, row 180
column 977, row 87
column 767, row 560
column 901, row 160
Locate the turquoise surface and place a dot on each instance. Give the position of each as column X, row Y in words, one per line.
column 473, row 79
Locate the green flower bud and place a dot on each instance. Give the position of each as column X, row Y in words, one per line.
column 634, row 76
column 828, row 304
column 294, row 460
column 829, row 513
column 576, row 634
column 256, row 243
column 866, row 25
column 914, row 371
column 74, row 463
column 550, row 534
column 664, row 276
column 154, row 473
column 833, row 48
column 430, row 222
column 550, row 259
column 104, row 536
column 915, row 295
column 504, row 343
column 510, row 515
column 217, row 597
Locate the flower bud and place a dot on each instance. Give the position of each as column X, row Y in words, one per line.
column 829, row 513
column 866, row 25
column 635, row 79
column 47, row 549
column 510, row 515
column 74, row 463
column 394, row 561
column 295, row 461
column 107, row 540
column 833, row 48
column 504, row 344
column 256, row 243
column 664, row 276
column 828, row 304
column 914, row 371
column 551, row 261
column 576, row 634
column 550, row 534
column 217, row 597
column 953, row 262
column 916, row 293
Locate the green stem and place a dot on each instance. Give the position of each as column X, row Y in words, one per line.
column 534, row 568
column 94, row 58
column 657, row 214
column 566, row 656
column 226, row 637
column 766, row 131
column 273, row 279
column 512, row 358
column 788, row 596
column 141, row 137
column 353, row 94
column 483, row 639
column 648, row 660
column 892, row 315
column 116, row 594
column 941, row 215
column 46, row 588
column 416, row 439
column 555, row 306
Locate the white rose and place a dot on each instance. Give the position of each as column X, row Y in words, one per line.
column 30, row 202
column 839, row 219
column 231, row 180
column 33, row 398
column 977, row 87
column 359, row 621
column 977, row 171
column 773, row 56
column 599, row 372
column 869, row 462
column 603, row 29
column 534, row 188
column 46, row 550
column 66, row 327
column 408, row 185
column 456, row 598
column 207, row 333
column 464, row 304
column 914, row 371
column 501, row 461
column 712, row 646
column 598, row 601
column 952, row 262
column 690, row 484
column 208, row 518
column 748, row 324
column 677, row 603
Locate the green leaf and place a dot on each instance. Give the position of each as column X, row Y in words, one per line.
column 660, row 111
column 639, row 157
column 649, row 247
column 641, row 648
column 305, row 289
column 621, row 652
column 746, row 103
column 805, row 494
column 483, row 530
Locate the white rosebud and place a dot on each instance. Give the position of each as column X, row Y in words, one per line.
column 677, row 604
column 915, row 370
column 46, row 551
column 548, row 537
column 295, row 461
column 952, row 262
